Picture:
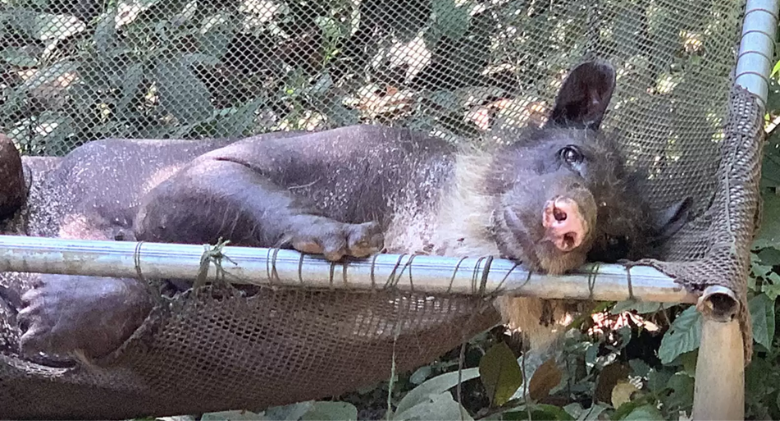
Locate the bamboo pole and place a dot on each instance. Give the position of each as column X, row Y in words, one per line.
column 719, row 391
column 264, row 266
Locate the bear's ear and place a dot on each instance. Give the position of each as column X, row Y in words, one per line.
column 13, row 190
column 584, row 96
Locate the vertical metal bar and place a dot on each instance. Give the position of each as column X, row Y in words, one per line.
column 756, row 48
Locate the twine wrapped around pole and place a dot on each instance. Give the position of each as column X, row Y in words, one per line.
column 267, row 266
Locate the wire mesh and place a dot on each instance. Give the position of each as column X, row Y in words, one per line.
column 466, row 70
column 75, row 71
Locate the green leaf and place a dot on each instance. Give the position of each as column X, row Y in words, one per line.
column 639, row 367
column 133, row 76
column 231, row 415
column 18, row 57
column 341, row 115
column 775, row 69
column 773, row 96
column 434, row 407
column 772, row 290
column 216, row 32
column 777, row 400
column 657, row 380
column 645, row 412
column 330, row 29
column 770, row 164
column 681, row 397
column 200, row 58
column 539, row 412
column 181, row 93
column 237, row 120
column 625, row 337
column 769, row 232
column 105, row 32
column 774, row 278
column 322, row 85
column 434, row 386
column 683, row 336
column 688, row 361
column 624, row 410
column 447, row 101
column 324, row 410
column 591, row 353
column 450, row 20
column 757, row 378
column 574, row 409
column 292, row 412
column 759, row 270
column 421, row 374
column 769, row 256
column 500, row 373
column 762, row 314
column 46, row 26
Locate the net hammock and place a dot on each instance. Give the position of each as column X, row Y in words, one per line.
column 463, row 70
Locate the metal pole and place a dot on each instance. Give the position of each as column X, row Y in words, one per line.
column 756, row 49
column 263, row 266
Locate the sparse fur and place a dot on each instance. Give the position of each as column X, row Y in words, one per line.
column 464, row 218
column 463, row 225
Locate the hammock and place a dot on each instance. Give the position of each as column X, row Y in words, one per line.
column 688, row 107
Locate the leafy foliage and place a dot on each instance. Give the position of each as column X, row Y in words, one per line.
column 74, row 71
column 78, row 71
column 500, row 373
column 682, row 337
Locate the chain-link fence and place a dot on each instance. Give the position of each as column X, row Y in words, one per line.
column 467, row 70
column 79, row 70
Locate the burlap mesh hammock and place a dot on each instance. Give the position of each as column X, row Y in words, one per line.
column 674, row 107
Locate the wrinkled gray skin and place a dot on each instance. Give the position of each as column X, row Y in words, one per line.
column 350, row 191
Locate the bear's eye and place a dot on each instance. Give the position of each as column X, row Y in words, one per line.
column 571, row 155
